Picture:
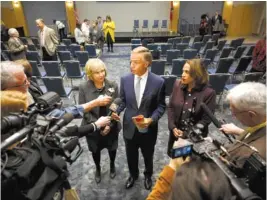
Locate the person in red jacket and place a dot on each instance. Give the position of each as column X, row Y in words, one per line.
column 259, row 56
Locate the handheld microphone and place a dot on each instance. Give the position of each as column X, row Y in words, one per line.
column 67, row 118
column 114, row 106
column 213, row 119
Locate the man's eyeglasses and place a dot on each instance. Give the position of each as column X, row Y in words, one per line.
column 237, row 113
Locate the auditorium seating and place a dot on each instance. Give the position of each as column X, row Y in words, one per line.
column 250, row 50
column 242, row 65
column 158, row 67
column 239, row 52
column 52, row 68
column 223, row 66
column 177, row 66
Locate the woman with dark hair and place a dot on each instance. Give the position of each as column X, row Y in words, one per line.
column 109, row 30
column 203, row 29
column 191, row 180
column 193, row 84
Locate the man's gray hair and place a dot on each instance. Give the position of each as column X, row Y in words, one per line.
column 12, row 31
column 249, row 96
column 40, row 19
column 8, row 71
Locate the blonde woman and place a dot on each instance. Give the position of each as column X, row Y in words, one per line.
column 98, row 86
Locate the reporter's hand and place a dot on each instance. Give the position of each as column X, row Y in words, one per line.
column 25, row 46
column 178, row 162
column 105, row 131
column 177, row 132
column 103, row 121
column 115, row 116
column 231, row 129
column 103, row 100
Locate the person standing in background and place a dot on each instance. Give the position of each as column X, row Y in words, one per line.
column 85, row 28
column 79, row 35
column 216, row 23
column 48, row 41
column 259, row 56
column 208, row 19
column 16, row 47
column 99, row 22
column 109, row 31
column 97, row 35
column 60, row 28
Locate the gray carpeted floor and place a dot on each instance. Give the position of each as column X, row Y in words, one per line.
column 82, row 171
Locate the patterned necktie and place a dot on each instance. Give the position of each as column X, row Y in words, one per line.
column 138, row 90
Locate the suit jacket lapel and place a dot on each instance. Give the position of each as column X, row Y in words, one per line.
column 131, row 90
column 148, row 88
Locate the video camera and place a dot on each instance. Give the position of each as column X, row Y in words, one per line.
column 251, row 180
column 36, row 168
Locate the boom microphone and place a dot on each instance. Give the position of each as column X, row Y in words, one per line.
column 67, row 118
column 213, row 119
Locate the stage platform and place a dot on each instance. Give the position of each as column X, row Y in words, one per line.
column 125, row 37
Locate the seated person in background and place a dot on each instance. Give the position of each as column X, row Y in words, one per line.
column 259, row 56
column 191, row 180
column 79, row 35
column 248, row 105
column 16, row 47
column 34, row 88
column 194, row 83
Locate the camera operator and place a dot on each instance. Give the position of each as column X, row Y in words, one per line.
column 190, row 180
column 15, row 101
column 193, row 84
column 13, row 78
column 248, row 105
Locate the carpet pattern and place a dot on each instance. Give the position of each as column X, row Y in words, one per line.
column 83, row 170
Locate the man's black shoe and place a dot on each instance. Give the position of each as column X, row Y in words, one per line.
column 112, row 172
column 98, row 176
column 148, row 183
column 130, row 182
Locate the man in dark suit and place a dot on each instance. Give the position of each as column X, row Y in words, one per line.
column 48, row 41
column 142, row 93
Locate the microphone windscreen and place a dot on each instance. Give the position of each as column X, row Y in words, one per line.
column 68, row 117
